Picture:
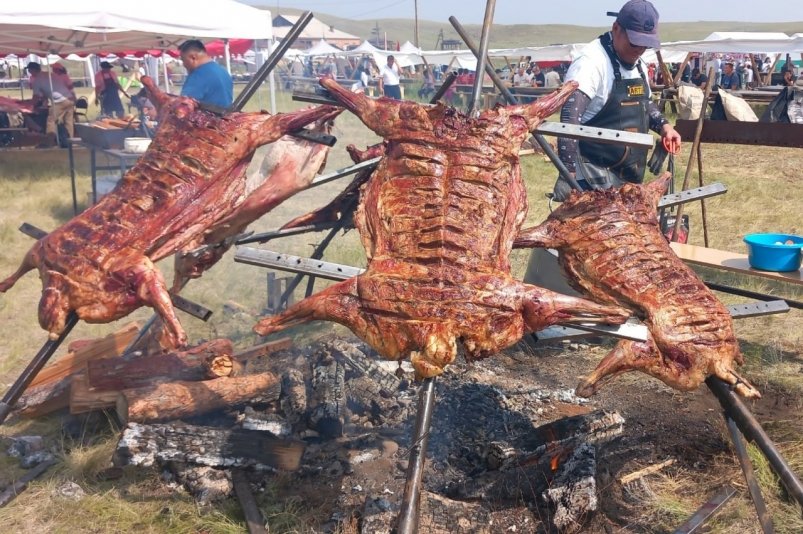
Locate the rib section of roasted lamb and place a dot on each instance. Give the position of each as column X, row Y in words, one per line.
column 190, row 188
column 437, row 219
column 612, row 249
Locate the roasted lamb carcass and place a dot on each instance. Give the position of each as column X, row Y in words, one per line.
column 187, row 186
column 612, row 249
column 342, row 206
column 285, row 167
column 438, row 218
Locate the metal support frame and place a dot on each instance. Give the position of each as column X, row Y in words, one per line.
column 481, row 54
column 334, row 271
column 706, row 511
column 764, row 518
column 738, row 311
column 265, row 70
column 751, row 429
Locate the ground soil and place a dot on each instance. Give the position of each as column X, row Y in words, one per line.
column 360, row 477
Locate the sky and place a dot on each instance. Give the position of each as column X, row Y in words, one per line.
column 578, row 12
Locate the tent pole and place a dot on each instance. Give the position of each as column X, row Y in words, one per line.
column 19, row 67
column 227, row 53
column 272, row 84
column 768, row 81
column 164, row 72
column 679, row 74
column 52, row 101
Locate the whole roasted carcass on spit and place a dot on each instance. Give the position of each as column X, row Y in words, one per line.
column 189, row 188
column 437, row 219
column 612, row 249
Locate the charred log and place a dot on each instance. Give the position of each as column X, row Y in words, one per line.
column 328, row 407
column 294, row 396
column 148, row 445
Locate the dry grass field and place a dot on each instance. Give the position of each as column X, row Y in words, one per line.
column 764, row 195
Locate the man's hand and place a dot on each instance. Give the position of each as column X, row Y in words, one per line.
column 671, row 139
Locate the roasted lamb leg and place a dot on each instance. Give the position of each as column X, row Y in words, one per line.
column 612, row 249
column 438, row 218
column 189, row 182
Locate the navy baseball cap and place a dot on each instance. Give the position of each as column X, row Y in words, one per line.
column 639, row 18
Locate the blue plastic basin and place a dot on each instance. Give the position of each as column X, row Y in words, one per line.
column 764, row 253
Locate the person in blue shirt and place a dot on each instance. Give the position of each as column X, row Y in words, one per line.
column 207, row 82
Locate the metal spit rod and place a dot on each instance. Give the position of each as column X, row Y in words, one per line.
column 408, row 516
column 335, row 271
column 752, row 430
column 24, row 380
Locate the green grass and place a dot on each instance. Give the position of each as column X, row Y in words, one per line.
column 763, row 195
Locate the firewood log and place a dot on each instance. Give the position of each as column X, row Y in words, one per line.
column 263, row 349
column 84, row 350
column 146, row 445
column 174, row 400
column 85, row 399
column 50, row 390
column 208, row 360
column 329, row 398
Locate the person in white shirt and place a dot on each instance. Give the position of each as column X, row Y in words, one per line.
column 522, row 78
column 361, row 83
column 389, row 79
column 613, row 92
column 552, row 78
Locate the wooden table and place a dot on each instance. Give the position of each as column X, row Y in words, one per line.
column 730, row 261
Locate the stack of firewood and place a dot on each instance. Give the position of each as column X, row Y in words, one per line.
column 150, row 388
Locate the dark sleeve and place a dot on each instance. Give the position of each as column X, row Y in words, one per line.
column 656, row 119
column 570, row 113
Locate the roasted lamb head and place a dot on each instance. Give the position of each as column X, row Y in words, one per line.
column 438, row 218
column 612, row 249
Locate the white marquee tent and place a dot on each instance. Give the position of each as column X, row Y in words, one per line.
column 740, row 43
column 91, row 26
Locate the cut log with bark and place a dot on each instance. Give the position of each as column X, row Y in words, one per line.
column 85, row 399
column 209, row 360
column 174, row 400
column 50, row 391
column 147, row 445
column 83, row 350
column 328, row 412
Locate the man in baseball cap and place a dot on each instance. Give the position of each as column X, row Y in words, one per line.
column 613, row 92
column 639, row 19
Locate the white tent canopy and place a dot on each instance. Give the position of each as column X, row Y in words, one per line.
column 92, row 26
column 364, row 48
column 740, row 43
column 322, row 48
column 409, row 48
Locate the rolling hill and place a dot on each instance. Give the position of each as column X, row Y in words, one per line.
column 512, row 35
